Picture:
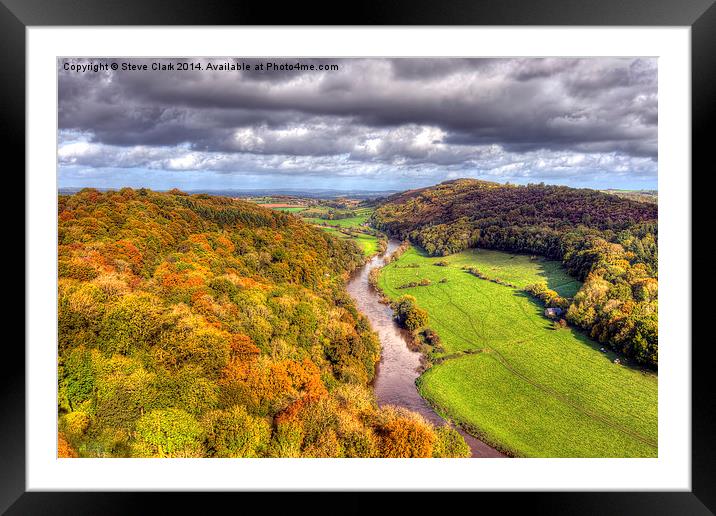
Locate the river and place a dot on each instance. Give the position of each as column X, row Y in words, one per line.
column 399, row 366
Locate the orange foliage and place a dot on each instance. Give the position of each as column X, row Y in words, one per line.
column 306, row 376
column 243, row 347
column 226, row 246
column 404, row 437
column 249, row 283
column 126, row 250
column 96, row 259
column 64, row 450
column 292, row 412
column 201, row 240
column 200, row 300
column 258, row 384
column 171, row 280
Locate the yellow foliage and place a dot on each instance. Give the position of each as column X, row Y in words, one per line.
column 75, row 424
column 112, row 284
column 404, row 437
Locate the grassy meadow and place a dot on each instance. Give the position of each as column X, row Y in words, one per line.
column 291, row 209
column 511, row 378
column 367, row 242
column 362, row 215
column 517, row 269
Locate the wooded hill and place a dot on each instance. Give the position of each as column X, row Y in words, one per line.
column 195, row 325
column 607, row 241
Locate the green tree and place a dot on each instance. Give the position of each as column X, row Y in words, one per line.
column 449, row 443
column 408, row 313
column 133, row 322
column 168, row 433
column 235, row 433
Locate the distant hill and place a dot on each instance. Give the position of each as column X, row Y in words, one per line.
column 470, row 205
column 267, row 192
column 606, row 240
column 635, row 195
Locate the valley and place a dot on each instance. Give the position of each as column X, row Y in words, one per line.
column 467, row 319
column 504, row 372
column 343, row 218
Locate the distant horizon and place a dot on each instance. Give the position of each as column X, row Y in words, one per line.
column 206, row 181
column 329, row 190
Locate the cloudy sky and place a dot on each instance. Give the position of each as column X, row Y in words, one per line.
column 373, row 124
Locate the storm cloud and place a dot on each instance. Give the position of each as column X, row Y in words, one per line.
column 414, row 121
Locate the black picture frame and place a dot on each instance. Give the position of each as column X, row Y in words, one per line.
column 700, row 15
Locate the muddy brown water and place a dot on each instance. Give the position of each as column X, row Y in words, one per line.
column 399, row 367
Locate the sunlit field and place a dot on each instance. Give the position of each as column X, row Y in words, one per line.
column 367, row 243
column 509, row 376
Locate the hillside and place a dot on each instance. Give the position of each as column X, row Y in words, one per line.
column 202, row 326
column 608, row 242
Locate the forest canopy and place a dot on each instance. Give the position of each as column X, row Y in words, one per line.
column 606, row 241
column 203, row 326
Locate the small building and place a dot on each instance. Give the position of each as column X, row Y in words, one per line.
column 553, row 313
column 617, row 361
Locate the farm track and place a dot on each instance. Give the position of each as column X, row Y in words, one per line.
column 547, row 390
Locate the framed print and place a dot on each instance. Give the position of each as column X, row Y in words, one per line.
column 322, row 257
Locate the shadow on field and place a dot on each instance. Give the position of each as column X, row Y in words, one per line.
column 578, row 334
column 554, row 277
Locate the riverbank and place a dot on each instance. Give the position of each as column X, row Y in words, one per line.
column 399, row 366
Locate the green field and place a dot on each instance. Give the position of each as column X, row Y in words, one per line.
column 362, row 215
column 368, row 243
column 293, row 209
column 509, row 377
column 517, row 269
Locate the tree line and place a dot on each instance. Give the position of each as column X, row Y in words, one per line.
column 606, row 241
